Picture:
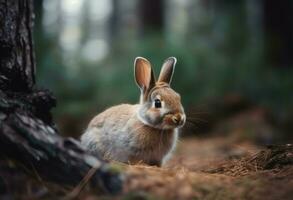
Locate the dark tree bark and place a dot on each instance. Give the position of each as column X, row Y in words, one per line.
column 28, row 136
column 17, row 65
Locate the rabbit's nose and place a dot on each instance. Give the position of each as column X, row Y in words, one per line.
column 177, row 119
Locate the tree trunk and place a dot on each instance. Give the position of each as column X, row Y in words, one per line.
column 17, row 67
column 28, row 136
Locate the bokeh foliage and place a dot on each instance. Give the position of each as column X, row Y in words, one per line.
column 219, row 52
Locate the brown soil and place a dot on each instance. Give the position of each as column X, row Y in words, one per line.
column 211, row 169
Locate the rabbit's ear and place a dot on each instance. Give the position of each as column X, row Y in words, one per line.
column 167, row 70
column 144, row 75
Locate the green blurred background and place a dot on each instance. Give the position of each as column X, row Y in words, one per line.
column 226, row 49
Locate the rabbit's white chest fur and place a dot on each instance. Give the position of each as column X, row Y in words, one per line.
column 118, row 134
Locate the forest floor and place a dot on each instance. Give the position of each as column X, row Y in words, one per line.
column 227, row 163
column 215, row 166
column 211, row 168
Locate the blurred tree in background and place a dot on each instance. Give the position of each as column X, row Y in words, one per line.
column 85, row 51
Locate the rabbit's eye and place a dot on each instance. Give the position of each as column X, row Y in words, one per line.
column 158, row 103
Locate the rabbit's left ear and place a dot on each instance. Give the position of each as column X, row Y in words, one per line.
column 167, row 70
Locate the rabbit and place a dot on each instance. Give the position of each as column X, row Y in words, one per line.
column 143, row 133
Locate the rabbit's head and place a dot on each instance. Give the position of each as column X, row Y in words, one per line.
column 160, row 106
